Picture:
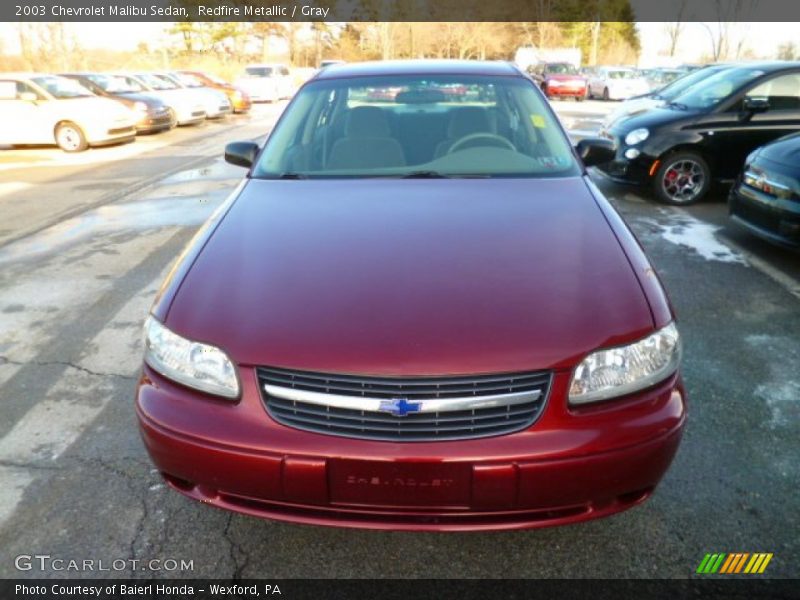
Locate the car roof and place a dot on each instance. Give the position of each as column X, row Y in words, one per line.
column 26, row 75
column 417, row 67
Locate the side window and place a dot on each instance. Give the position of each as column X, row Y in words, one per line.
column 782, row 92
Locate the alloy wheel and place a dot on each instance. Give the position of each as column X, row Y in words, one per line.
column 683, row 181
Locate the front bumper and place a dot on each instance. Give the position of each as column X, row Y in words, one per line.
column 565, row 92
column 770, row 218
column 635, row 171
column 155, row 121
column 568, row 467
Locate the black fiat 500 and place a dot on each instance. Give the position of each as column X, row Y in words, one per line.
column 705, row 133
column 766, row 196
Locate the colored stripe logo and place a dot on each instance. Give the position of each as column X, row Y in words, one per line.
column 734, row 563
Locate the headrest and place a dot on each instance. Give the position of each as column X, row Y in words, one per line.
column 367, row 121
column 467, row 120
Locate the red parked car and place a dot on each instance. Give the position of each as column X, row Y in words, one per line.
column 560, row 80
column 414, row 317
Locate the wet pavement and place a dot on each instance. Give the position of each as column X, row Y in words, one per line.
column 83, row 250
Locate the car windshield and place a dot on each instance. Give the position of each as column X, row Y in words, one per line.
column 259, row 71
column 561, row 69
column 215, row 79
column 188, row 80
column 410, row 126
column 680, row 85
column 62, row 88
column 710, row 91
column 114, row 84
column 623, row 74
column 157, row 82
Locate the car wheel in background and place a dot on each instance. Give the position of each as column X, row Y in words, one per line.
column 605, row 94
column 682, row 178
column 70, row 137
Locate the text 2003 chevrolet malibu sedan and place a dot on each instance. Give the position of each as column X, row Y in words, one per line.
column 414, row 314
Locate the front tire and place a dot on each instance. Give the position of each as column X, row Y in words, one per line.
column 606, row 96
column 682, row 179
column 70, row 138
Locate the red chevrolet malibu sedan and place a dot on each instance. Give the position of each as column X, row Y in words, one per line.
column 414, row 314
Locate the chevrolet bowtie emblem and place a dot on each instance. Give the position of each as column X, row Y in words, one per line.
column 399, row 407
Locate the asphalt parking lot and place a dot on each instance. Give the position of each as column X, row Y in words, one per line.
column 85, row 242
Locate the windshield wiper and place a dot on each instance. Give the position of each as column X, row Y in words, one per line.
column 290, row 175
column 425, row 175
column 678, row 105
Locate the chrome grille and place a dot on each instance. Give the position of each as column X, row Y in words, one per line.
column 436, row 408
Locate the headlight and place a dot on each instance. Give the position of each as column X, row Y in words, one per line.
column 140, row 107
column 636, row 136
column 622, row 370
column 193, row 364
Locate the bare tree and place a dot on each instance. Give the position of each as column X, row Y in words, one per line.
column 675, row 28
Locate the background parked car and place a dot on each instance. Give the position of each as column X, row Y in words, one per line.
column 215, row 102
column 706, row 132
column 638, row 104
column 187, row 109
column 153, row 114
column 658, row 78
column 766, row 196
column 47, row 109
column 559, row 80
column 267, row 82
column 240, row 101
column 616, row 83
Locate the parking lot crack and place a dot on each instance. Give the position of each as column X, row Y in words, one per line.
column 236, row 550
column 4, row 360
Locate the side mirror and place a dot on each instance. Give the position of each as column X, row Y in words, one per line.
column 755, row 105
column 596, row 151
column 28, row 97
column 241, row 154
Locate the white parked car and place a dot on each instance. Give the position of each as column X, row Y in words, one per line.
column 46, row 109
column 267, row 82
column 616, row 83
column 216, row 103
column 187, row 109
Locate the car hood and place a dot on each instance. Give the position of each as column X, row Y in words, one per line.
column 427, row 277
column 785, row 151
column 149, row 98
column 651, row 118
column 633, row 106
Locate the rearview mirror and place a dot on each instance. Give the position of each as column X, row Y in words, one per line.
column 28, row 97
column 596, row 151
column 755, row 105
column 241, row 154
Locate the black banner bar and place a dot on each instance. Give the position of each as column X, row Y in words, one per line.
column 731, row 588
column 400, row 10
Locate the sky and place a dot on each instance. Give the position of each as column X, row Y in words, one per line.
column 763, row 38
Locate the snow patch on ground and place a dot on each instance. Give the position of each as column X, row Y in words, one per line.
column 684, row 230
column 781, row 393
column 783, row 401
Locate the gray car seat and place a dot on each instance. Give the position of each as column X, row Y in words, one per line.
column 367, row 142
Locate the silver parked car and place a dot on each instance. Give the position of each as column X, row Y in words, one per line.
column 216, row 103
